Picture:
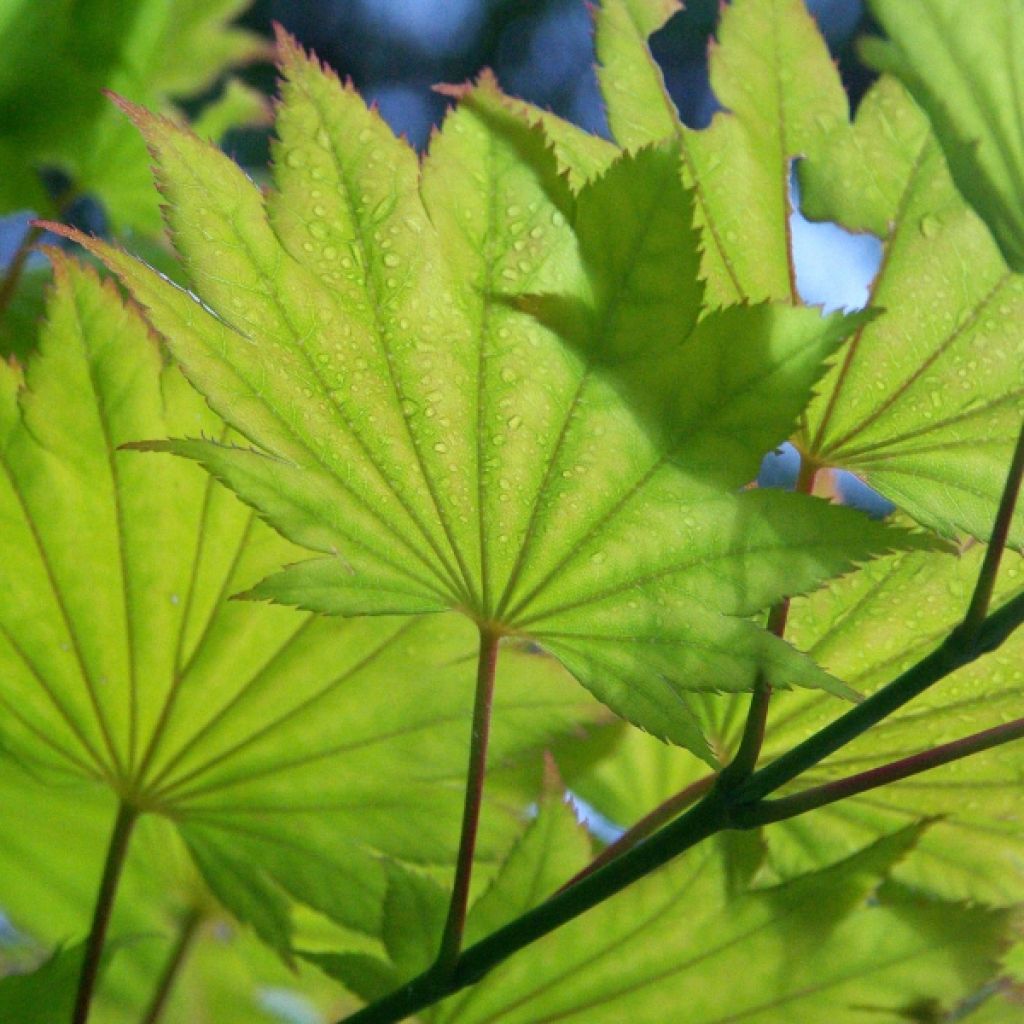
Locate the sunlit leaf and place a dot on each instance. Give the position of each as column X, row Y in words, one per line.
column 551, row 850
column 926, row 401
column 865, row 629
column 966, row 73
column 257, row 729
column 49, row 874
column 813, row 949
column 771, row 71
column 548, row 475
column 578, row 154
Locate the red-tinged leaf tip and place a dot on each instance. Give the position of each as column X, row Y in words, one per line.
column 290, row 53
column 486, row 79
column 133, row 110
column 88, row 242
column 286, row 45
column 65, row 231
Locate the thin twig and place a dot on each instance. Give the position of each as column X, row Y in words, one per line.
column 828, row 793
column 116, row 851
column 718, row 810
column 982, row 597
column 748, row 752
column 701, row 821
column 648, row 825
column 186, row 933
column 451, row 939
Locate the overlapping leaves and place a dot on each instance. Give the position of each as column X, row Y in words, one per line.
column 568, row 475
column 739, row 167
column 815, row 948
column 49, row 880
column 865, row 629
column 924, row 401
column 966, row 73
column 255, row 728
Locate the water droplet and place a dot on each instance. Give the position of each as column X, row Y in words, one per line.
column 391, row 260
column 441, row 448
column 930, row 225
column 295, row 158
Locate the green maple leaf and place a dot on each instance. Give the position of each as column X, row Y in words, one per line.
column 53, row 113
column 49, row 873
column 925, row 402
column 122, row 662
column 739, row 166
column 550, row 851
column 579, row 156
column 569, row 477
column 965, row 72
column 865, row 629
column 44, row 994
column 813, row 949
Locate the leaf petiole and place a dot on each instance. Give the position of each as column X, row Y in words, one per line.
column 648, row 825
column 720, row 809
column 768, row 811
column 186, row 933
column 982, row 596
column 451, row 939
column 749, row 751
column 117, row 849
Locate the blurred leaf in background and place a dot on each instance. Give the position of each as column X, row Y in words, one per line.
column 60, row 56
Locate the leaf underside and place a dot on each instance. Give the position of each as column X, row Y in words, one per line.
column 468, row 388
column 250, row 725
column 924, row 401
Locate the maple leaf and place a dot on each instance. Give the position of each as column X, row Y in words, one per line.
column 965, row 73
column 570, row 482
column 123, row 664
column 925, row 402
